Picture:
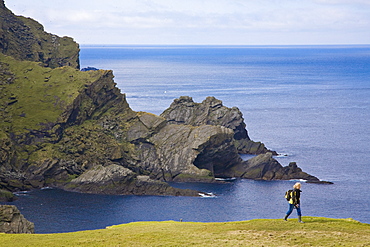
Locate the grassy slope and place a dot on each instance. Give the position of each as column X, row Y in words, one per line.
column 315, row 232
column 41, row 93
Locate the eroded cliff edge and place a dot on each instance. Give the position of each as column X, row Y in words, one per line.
column 75, row 130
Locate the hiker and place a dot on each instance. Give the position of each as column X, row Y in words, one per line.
column 293, row 197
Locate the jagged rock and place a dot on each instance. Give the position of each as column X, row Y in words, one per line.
column 211, row 112
column 25, row 39
column 12, row 221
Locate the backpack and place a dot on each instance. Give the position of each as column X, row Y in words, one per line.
column 288, row 195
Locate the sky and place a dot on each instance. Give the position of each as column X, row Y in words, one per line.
column 202, row 22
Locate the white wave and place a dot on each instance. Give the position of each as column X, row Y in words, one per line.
column 298, row 180
column 21, row 193
column 207, row 195
column 225, row 179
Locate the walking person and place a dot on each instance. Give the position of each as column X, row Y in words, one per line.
column 293, row 197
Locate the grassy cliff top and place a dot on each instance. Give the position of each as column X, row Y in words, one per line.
column 315, row 232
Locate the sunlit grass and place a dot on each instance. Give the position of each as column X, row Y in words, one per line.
column 315, row 232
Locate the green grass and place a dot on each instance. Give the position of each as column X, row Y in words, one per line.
column 315, row 232
column 40, row 94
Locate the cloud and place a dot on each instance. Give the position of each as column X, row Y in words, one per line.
column 199, row 21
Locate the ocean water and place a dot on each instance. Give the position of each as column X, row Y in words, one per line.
column 311, row 103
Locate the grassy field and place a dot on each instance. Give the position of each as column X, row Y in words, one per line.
column 315, row 232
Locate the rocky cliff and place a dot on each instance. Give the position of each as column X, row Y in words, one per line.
column 65, row 128
column 12, row 221
column 25, row 39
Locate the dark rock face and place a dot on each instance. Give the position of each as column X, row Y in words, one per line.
column 12, row 221
column 211, row 112
column 25, row 39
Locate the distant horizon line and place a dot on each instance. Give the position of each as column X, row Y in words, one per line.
column 223, row 45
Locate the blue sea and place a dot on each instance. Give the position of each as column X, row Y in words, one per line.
column 310, row 103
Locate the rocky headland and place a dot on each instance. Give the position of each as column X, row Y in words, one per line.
column 71, row 129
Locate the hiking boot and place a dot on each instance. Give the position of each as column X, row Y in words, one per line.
column 300, row 219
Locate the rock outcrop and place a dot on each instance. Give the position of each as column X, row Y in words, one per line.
column 12, row 221
column 65, row 128
column 211, row 112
